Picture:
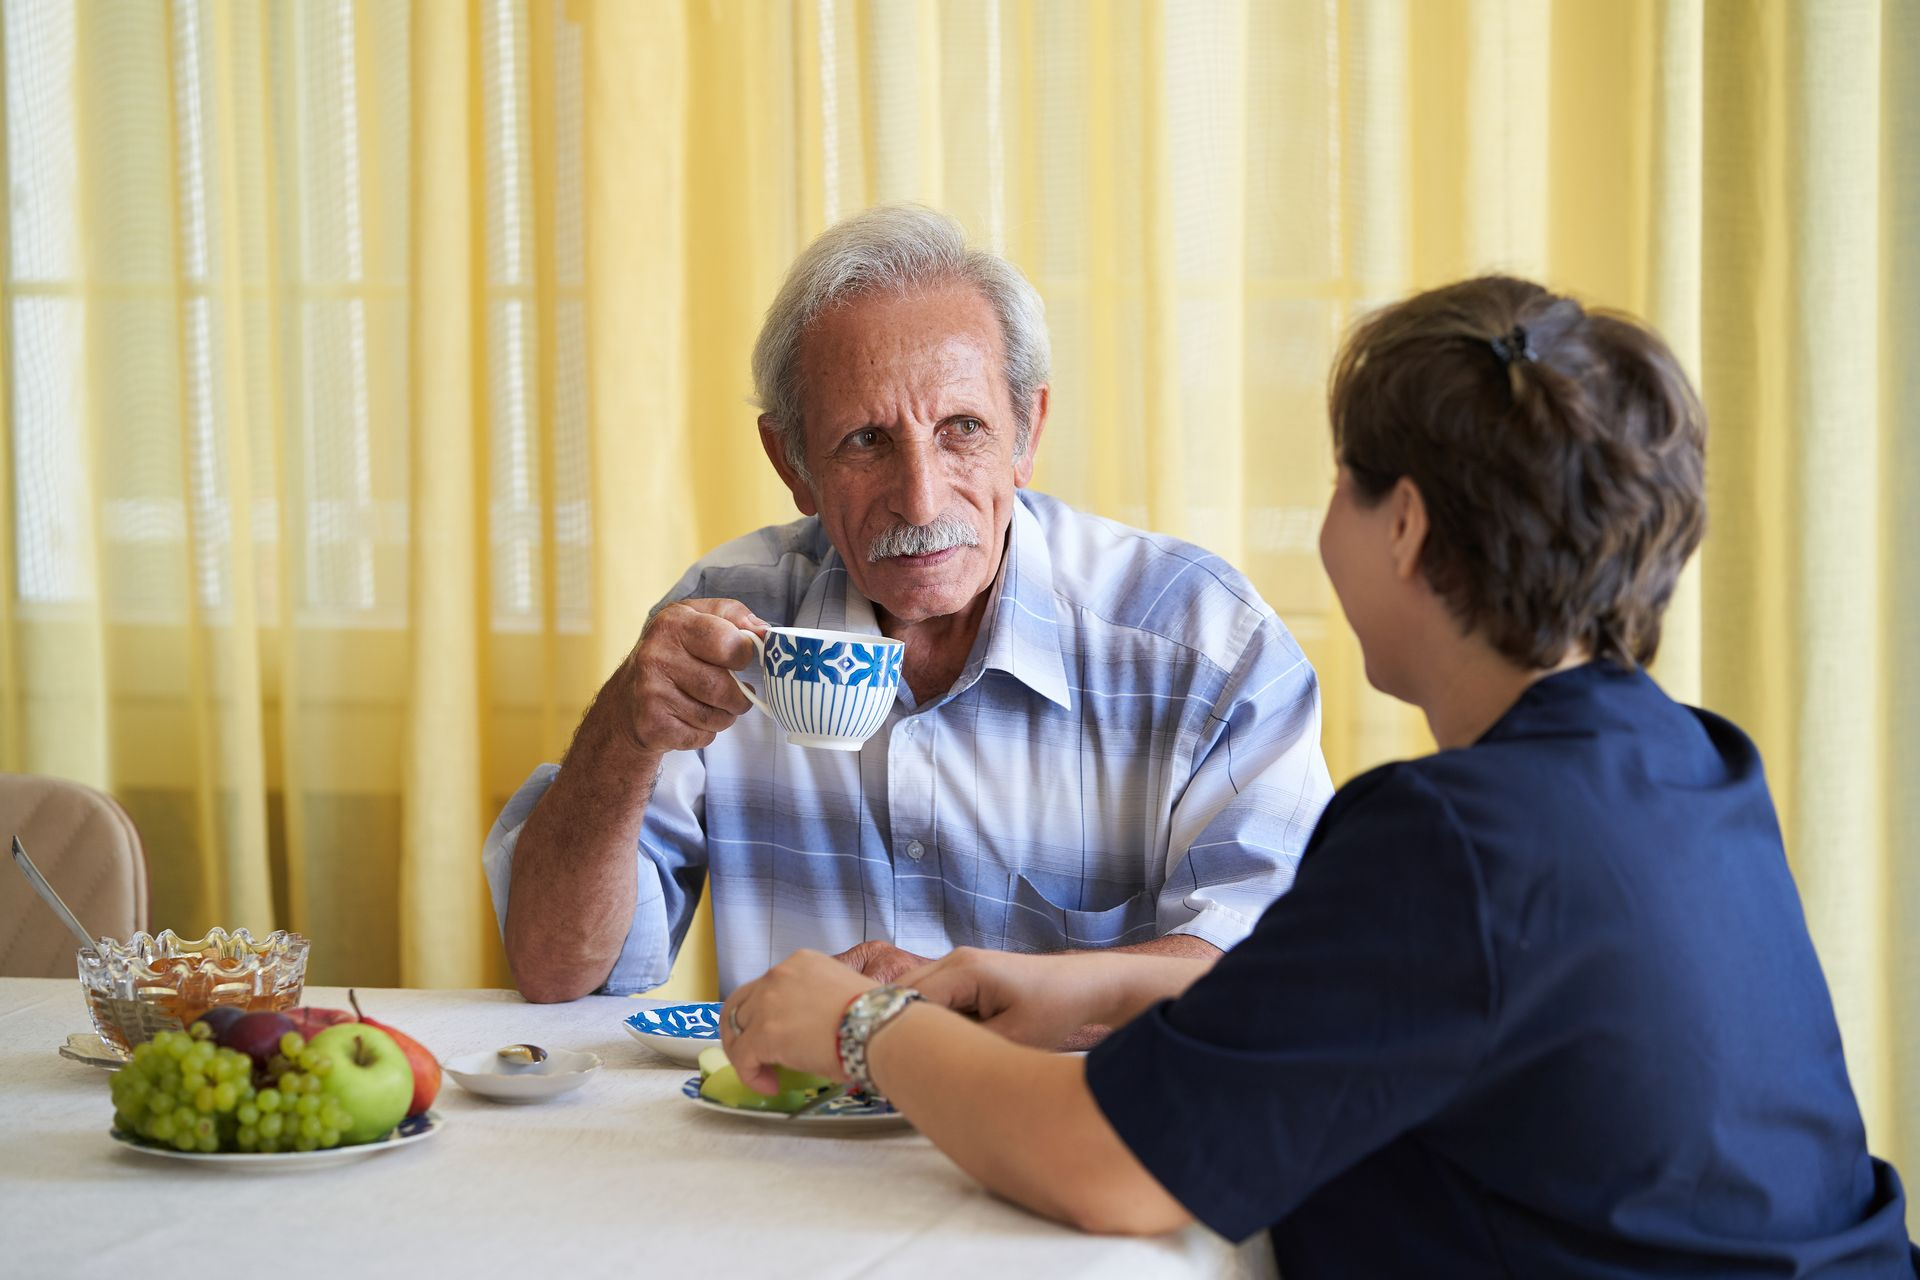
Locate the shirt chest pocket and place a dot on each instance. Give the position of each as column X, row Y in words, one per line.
column 1036, row 923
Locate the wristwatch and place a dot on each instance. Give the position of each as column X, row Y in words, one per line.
column 867, row 1013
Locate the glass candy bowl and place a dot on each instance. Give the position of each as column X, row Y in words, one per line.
column 138, row 988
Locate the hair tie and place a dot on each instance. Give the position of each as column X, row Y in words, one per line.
column 1514, row 346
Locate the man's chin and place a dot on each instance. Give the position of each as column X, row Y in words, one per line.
column 913, row 591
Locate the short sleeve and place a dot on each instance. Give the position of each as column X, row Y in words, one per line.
column 1258, row 787
column 1356, row 1009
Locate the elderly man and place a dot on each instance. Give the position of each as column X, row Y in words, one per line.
column 1103, row 738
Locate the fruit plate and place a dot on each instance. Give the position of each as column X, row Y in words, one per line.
column 678, row 1031
column 855, row 1111
column 412, row 1129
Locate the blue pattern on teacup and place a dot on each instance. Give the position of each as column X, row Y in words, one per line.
column 811, row 660
column 679, row 1021
column 877, row 663
column 849, row 1107
column 805, row 659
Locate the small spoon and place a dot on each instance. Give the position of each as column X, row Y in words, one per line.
column 52, row 899
column 524, row 1055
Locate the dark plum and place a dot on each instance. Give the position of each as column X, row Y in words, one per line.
column 257, row 1035
column 219, row 1018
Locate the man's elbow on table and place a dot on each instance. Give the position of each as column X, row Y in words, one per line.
column 543, row 978
column 542, row 991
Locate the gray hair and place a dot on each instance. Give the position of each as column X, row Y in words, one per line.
column 894, row 248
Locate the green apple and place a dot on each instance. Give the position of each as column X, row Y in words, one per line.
column 797, row 1088
column 370, row 1078
column 711, row 1060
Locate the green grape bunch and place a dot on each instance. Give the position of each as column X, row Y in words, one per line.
column 183, row 1091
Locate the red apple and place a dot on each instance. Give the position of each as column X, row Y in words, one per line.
column 426, row 1068
column 311, row 1022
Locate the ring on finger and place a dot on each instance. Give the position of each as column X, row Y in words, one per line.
column 733, row 1023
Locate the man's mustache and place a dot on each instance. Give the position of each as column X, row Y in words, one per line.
column 946, row 530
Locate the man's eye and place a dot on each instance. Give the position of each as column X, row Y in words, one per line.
column 968, row 426
column 864, row 439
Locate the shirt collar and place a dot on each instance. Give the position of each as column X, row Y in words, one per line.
column 831, row 602
column 1020, row 633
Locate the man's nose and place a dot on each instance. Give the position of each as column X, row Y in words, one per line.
column 919, row 485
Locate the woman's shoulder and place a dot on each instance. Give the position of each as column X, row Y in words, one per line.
column 1393, row 805
column 1610, row 796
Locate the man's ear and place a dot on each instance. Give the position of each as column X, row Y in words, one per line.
column 774, row 441
column 1036, row 423
column 1409, row 529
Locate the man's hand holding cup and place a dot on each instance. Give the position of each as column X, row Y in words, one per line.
column 679, row 691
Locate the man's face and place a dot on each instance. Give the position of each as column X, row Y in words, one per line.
column 910, row 441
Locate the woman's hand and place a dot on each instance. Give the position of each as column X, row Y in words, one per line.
column 790, row 1017
column 1029, row 999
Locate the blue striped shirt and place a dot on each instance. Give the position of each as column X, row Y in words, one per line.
column 1132, row 750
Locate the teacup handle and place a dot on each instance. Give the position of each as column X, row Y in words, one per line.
column 760, row 647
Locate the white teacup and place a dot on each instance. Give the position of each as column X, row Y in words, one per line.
column 828, row 689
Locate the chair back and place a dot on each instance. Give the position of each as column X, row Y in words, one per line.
column 87, row 848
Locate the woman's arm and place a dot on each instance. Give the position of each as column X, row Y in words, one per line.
column 1040, row 1000
column 1020, row 1120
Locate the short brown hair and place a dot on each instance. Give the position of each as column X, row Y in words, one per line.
column 1560, row 453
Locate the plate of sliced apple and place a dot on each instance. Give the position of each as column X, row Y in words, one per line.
column 718, row 1087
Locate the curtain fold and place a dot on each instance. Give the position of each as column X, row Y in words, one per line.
column 370, row 367
column 1836, row 825
column 1899, row 585
column 441, row 918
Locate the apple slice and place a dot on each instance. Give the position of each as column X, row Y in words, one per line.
column 727, row 1088
column 797, row 1088
column 711, row 1060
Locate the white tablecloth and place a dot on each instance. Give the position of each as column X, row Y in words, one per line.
column 622, row 1177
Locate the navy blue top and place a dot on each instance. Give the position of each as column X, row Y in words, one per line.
column 1543, row 1006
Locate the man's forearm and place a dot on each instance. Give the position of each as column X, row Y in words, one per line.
column 574, row 883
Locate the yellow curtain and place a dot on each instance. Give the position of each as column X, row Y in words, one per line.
column 371, row 366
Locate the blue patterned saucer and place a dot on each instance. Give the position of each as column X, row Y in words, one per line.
column 856, row 1110
column 678, row 1031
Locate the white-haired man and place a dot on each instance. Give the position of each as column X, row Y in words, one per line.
column 1103, row 737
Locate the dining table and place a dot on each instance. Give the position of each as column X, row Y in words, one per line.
column 624, row 1175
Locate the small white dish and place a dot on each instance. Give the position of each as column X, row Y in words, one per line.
column 412, row 1129
column 493, row 1077
column 678, row 1032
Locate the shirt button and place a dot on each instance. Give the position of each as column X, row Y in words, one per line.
column 909, row 727
column 915, row 849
